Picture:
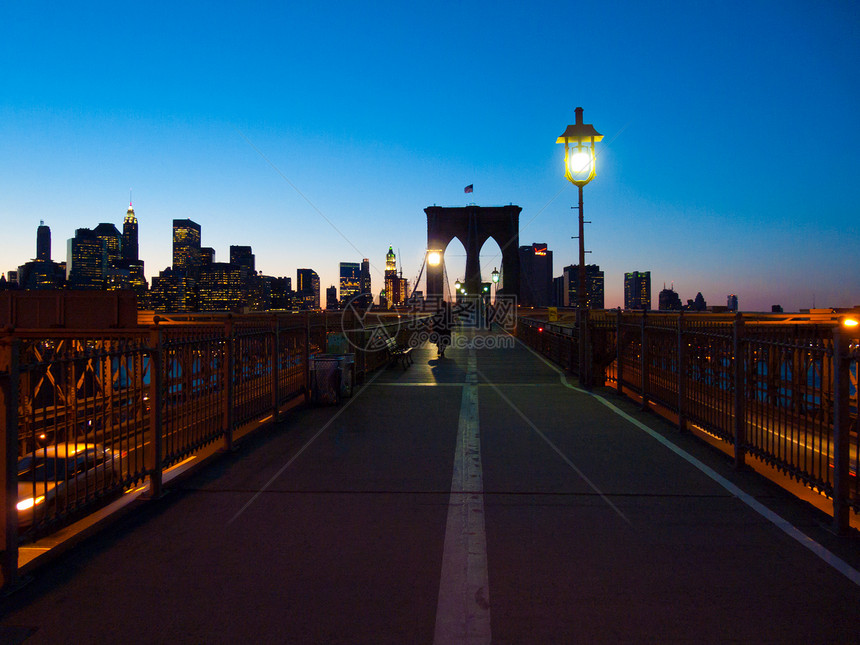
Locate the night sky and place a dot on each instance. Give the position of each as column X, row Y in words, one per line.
column 318, row 133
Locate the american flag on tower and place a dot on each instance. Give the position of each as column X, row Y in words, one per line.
column 468, row 189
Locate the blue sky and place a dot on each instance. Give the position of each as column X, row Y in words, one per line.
column 319, row 133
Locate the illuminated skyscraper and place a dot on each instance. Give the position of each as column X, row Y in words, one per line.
column 395, row 286
column 308, row 288
column 43, row 242
column 364, row 284
column 593, row 285
column 112, row 239
column 637, row 290
column 86, row 261
column 221, row 287
column 130, row 250
column 350, row 281
column 669, row 300
column 535, row 275
column 186, row 245
column 241, row 256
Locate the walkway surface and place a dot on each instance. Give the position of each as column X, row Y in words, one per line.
column 466, row 499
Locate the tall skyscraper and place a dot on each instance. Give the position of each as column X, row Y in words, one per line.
column 112, row 239
column 350, row 281
column 130, row 250
column 186, row 245
column 637, row 290
column 535, row 275
column 594, row 287
column 86, row 261
column 395, row 286
column 241, row 256
column 308, row 288
column 669, row 300
column 331, row 297
column 732, row 302
column 364, row 285
column 43, row 242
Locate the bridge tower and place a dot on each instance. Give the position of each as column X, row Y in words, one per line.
column 474, row 225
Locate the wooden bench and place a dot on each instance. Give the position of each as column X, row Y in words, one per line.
column 402, row 353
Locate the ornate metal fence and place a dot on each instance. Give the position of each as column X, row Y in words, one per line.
column 783, row 391
column 89, row 415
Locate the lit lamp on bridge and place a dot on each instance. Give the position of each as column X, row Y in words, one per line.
column 495, row 275
column 434, row 258
column 579, row 169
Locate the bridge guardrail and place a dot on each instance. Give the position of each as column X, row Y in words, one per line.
column 147, row 398
column 783, row 392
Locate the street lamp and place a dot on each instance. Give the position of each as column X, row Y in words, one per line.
column 579, row 169
column 434, row 258
column 495, row 275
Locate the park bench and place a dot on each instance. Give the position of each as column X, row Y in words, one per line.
column 397, row 352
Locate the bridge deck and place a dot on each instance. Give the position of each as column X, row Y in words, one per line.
column 463, row 498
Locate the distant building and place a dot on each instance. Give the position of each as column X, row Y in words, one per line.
column 776, row 309
column 206, row 256
column 241, row 256
column 594, row 287
column 669, row 300
column 396, row 287
column 535, row 275
column 350, row 281
column 637, row 290
column 308, row 288
column 41, row 274
column 732, row 302
column 86, row 261
column 130, row 248
column 173, row 291
column 698, row 303
column 43, row 242
column 112, row 239
column 186, row 245
column 221, row 287
column 364, row 285
column 331, row 297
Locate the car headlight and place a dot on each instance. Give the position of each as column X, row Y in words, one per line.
column 24, row 504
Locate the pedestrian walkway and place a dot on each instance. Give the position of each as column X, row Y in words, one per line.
column 473, row 498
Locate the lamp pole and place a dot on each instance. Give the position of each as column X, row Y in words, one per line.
column 579, row 169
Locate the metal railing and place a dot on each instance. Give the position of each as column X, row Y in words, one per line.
column 92, row 414
column 782, row 391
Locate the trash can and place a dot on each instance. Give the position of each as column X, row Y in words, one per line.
column 331, row 377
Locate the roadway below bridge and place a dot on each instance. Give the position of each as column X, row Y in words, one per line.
column 473, row 498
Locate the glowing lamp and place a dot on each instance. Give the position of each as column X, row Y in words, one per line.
column 579, row 159
column 495, row 276
column 457, row 285
column 850, row 322
column 434, row 258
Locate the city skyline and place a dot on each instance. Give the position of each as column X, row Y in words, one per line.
column 320, row 140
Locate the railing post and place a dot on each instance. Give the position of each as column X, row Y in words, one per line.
column 682, row 375
column 9, row 363
column 229, row 390
column 643, row 365
column 306, row 356
column 619, row 352
column 276, row 364
column 740, row 419
column 841, row 430
column 156, row 404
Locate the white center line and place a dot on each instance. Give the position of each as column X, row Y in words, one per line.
column 463, row 608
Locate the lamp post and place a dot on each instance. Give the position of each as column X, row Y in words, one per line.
column 495, row 275
column 579, row 169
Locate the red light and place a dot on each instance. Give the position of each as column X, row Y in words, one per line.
column 540, row 328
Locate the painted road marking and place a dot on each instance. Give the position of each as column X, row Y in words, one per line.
column 463, row 608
